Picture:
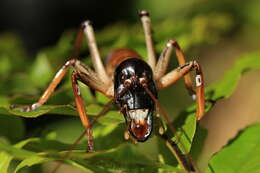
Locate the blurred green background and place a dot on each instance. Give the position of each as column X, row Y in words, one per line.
column 37, row 38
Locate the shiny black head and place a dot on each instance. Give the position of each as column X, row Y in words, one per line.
column 137, row 105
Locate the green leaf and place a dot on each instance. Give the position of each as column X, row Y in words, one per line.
column 125, row 158
column 80, row 166
column 5, row 162
column 16, row 150
column 55, row 109
column 241, row 155
column 30, row 161
column 5, row 159
column 185, row 126
column 198, row 141
column 8, row 153
column 112, row 117
column 225, row 87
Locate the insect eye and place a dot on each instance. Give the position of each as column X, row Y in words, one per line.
column 127, row 82
column 143, row 80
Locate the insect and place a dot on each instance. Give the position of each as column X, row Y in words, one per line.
column 131, row 83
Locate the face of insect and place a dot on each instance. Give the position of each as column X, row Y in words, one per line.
column 139, row 123
column 137, row 105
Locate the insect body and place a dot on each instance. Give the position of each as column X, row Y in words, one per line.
column 137, row 105
column 131, row 83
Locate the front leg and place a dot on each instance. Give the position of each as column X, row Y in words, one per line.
column 88, row 76
column 163, row 62
column 180, row 72
column 47, row 93
column 81, row 110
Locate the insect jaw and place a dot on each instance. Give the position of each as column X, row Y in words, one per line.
column 139, row 123
column 138, row 115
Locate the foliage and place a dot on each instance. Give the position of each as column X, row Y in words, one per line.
column 19, row 151
column 240, row 155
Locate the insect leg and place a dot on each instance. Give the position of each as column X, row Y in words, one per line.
column 95, row 56
column 102, row 113
column 163, row 61
column 184, row 160
column 92, row 79
column 181, row 60
column 45, row 96
column 81, row 110
column 181, row 71
column 88, row 76
column 146, row 22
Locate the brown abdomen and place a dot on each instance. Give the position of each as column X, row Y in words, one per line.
column 117, row 56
